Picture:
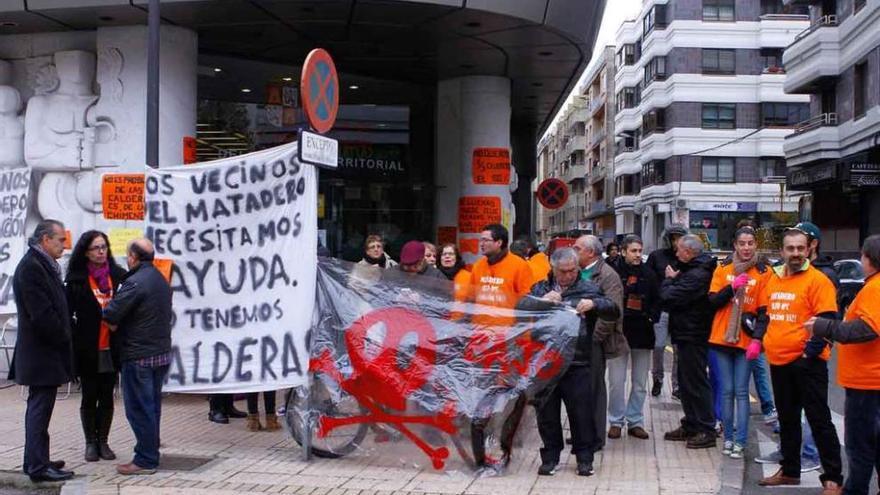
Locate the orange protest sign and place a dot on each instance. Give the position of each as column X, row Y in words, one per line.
column 164, row 266
column 475, row 212
column 190, row 146
column 123, row 196
column 491, row 166
column 446, row 235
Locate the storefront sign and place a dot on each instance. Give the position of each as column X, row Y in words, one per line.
column 318, row 150
column 369, row 158
column 242, row 233
column 864, row 174
column 14, row 200
column 475, row 212
column 491, row 166
column 723, row 206
column 812, row 175
column 123, row 196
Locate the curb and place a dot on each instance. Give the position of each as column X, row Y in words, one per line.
column 20, row 481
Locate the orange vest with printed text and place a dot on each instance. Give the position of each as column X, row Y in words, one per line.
column 501, row 285
column 858, row 365
column 723, row 277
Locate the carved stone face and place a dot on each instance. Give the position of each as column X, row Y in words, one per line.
column 75, row 67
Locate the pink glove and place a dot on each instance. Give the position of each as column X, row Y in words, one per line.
column 741, row 280
column 753, row 350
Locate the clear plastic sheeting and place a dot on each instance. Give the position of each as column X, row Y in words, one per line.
column 401, row 369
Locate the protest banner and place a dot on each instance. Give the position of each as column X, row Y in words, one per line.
column 242, row 235
column 14, row 197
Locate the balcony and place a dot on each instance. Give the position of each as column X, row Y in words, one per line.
column 598, row 173
column 597, row 103
column 578, row 115
column 821, row 120
column 576, row 171
column 598, row 209
column 575, row 142
column 596, row 137
column 813, row 57
column 815, row 139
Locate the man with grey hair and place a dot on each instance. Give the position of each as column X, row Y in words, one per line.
column 685, row 295
column 608, row 341
column 43, row 357
column 141, row 312
column 565, row 286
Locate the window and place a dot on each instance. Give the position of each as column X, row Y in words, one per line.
column 718, row 10
column 771, row 59
column 628, row 98
column 626, row 55
column 719, row 61
column 860, row 89
column 655, row 18
column 718, row 169
column 719, row 116
column 654, row 121
column 771, row 7
column 784, row 114
column 653, row 172
column 655, row 70
column 771, row 167
column 858, row 5
column 626, row 185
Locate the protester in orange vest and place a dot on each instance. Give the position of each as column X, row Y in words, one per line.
column 734, row 291
column 858, row 370
column 499, row 278
column 795, row 293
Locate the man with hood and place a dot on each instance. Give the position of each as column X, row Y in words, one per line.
column 565, row 286
column 658, row 260
column 685, row 295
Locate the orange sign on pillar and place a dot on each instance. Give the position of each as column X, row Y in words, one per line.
column 475, row 212
column 491, row 166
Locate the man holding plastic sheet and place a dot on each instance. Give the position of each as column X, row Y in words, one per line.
column 858, row 371
column 795, row 293
column 565, row 286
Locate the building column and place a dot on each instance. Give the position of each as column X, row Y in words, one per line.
column 473, row 112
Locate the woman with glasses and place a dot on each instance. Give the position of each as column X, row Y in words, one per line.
column 374, row 253
column 92, row 277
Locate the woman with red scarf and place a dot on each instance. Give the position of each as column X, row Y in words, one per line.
column 92, row 278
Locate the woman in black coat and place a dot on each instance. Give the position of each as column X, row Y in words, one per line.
column 92, row 278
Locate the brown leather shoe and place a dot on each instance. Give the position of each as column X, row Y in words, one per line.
column 614, row 432
column 779, row 479
column 831, row 488
column 638, row 432
column 132, row 469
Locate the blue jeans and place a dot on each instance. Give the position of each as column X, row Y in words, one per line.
column 808, row 445
column 619, row 408
column 142, row 395
column 715, row 382
column 862, row 426
column 761, row 374
column 733, row 378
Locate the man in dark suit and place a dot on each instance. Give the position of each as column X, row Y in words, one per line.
column 43, row 357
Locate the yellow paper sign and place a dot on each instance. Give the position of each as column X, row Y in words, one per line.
column 119, row 239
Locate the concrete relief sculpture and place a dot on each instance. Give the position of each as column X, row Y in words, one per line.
column 11, row 123
column 61, row 135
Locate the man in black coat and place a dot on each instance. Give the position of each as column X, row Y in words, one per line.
column 141, row 313
column 43, row 357
column 564, row 286
column 685, row 295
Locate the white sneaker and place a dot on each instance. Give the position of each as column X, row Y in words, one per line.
column 737, row 451
column 771, row 417
column 728, row 447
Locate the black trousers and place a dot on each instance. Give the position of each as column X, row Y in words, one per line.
column 221, row 403
column 96, row 406
column 802, row 385
column 268, row 401
column 598, row 395
column 862, row 421
column 693, row 387
column 574, row 390
column 40, row 404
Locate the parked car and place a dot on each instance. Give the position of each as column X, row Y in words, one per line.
column 852, row 279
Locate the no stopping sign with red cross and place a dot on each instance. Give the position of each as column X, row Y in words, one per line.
column 552, row 193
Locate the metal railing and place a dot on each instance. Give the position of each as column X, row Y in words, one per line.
column 597, row 103
column 821, row 120
column 785, row 17
column 824, row 21
column 597, row 137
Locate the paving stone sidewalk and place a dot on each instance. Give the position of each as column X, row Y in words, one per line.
column 244, row 462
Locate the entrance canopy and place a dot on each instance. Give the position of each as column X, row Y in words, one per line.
column 540, row 45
